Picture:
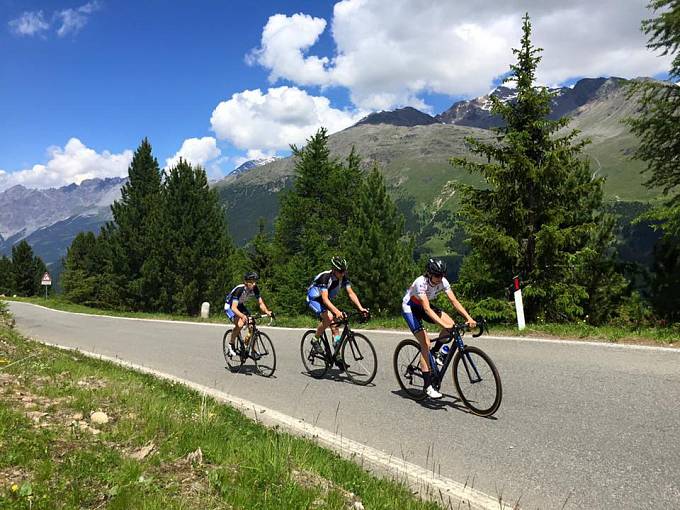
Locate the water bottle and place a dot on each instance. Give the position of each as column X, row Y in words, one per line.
column 443, row 352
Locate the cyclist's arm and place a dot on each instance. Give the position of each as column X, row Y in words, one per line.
column 237, row 312
column 425, row 302
column 355, row 299
column 461, row 309
column 263, row 307
column 327, row 303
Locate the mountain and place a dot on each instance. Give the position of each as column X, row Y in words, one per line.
column 415, row 159
column 49, row 219
column 401, row 117
column 252, row 163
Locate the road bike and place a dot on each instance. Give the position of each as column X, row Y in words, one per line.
column 354, row 353
column 474, row 373
column 255, row 345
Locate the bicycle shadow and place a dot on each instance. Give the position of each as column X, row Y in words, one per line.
column 337, row 375
column 248, row 370
column 445, row 403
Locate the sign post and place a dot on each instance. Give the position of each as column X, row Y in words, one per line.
column 519, row 305
column 46, row 282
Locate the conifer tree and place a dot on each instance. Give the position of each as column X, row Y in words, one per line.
column 192, row 259
column 381, row 263
column 539, row 214
column 658, row 124
column 27, row 269
column 6, row 276
column 130, row 234
column 79, row 278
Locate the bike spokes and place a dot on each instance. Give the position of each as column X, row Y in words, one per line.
column 360, row 360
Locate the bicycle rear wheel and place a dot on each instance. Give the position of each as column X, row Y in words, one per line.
column 407, row 369
column 361, row 362
column 477, row 381
column 313, row 358
column 264, row 354
column 236, row 362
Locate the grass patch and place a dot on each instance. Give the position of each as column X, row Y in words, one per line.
column 164, row 446
column 669, row 335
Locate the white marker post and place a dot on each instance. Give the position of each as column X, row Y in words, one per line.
column 519, row 306
column 46, row 282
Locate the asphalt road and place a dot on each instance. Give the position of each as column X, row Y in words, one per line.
column 580, row 426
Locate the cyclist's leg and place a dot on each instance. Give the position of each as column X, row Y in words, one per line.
column 238, row 323
column 444, row 332
column 414, row 316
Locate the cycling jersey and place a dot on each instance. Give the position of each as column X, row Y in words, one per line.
column 324, row 281
column 412, row 307
column 241, row 294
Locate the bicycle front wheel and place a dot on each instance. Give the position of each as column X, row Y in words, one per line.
column 407, row 369
column 477, row 381
column 313, row 356
column 235, row 362
column 264, row 354
column 361, row 362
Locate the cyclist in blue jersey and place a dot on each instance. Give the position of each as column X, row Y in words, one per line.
column 416, row 308
column 324, row 287
column 235, row 308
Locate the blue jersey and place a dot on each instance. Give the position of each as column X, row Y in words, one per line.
column 327, row 281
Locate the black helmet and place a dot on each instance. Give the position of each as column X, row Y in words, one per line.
column 252, row 275
column 339, row 263
column 436, row 267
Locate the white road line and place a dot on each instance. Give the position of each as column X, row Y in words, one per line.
column 427, row 484
column 602, row 344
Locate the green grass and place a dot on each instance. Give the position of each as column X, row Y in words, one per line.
column 578, row 330
column 57, row 461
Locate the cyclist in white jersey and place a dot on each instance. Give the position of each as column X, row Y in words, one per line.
column 416, row 308
column 235, row 308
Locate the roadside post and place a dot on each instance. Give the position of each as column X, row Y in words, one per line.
column 46, row 282
column 205, row 310
column 519, row 305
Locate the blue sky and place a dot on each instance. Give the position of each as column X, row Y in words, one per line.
column 83, row 82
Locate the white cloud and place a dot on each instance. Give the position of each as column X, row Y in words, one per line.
column 73, row 20
column 73, row 163
column 277, row 118
column 29, row 24
column 390, row 51
column 197, row 151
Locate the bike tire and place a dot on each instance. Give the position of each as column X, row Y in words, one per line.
column 234, row 364
column 474, row 393
column 315, row 363
column 407, row 369
column 266, row 360
column 360, row 359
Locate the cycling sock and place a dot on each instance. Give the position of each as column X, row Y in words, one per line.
column 427, row 376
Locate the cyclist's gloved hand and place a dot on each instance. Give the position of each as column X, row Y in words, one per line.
column 471, row 323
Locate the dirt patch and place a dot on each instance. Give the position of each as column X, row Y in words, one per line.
column 310, row 480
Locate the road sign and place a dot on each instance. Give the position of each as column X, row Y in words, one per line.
column 46, row 280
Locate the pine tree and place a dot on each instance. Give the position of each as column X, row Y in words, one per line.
column 538, row 215
column 79, row 278
column 193, row 257
column 6, row 276
column 27, row 270
column 658, row 124
column 130, row 234
column 381, row 258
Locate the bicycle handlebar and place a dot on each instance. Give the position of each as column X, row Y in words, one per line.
column 348, row 316
column 271, row 317
column 481, row 325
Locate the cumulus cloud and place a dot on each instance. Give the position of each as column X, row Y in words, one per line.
column 387, row 52
column 271, row 121
column 73, row 163
column 197, row 151
column 29, row 24
column 73, row 20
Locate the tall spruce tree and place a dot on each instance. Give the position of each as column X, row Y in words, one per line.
column 658, row 124
column 79, row 278
column 6, row 276
column 27, row 269
column 130, row 234
column 312, row 219
column 192, row 257
column 538, row 215
column 382, row 263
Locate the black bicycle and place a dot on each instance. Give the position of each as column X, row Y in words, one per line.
column 474, row 374
column 354, row 353
column 255, row 344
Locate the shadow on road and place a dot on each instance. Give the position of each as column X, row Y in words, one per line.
column 337, row 375
column 444, row 403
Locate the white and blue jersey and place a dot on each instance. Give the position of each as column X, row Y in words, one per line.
column 412, row 305
column 324, row 281
column 241, row 294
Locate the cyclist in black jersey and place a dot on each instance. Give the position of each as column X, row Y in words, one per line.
column 235, row 308
column 325, row 286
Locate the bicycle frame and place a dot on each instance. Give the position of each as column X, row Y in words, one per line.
column 344, row 338
column 458, row 344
